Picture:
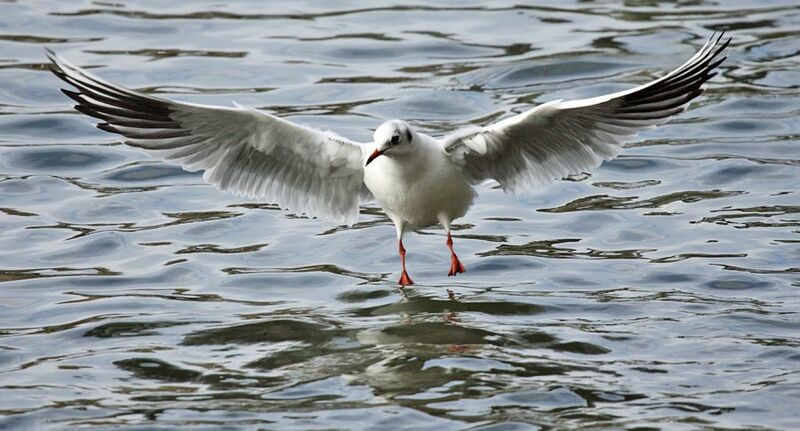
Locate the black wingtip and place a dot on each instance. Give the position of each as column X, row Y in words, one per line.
column 714, row 65
column 716, row 37
column 86, row 110
column 107, row 127
column 727, row 42
column 56, row 70
column 722, row 48
column 54, row 67
column 74, row 95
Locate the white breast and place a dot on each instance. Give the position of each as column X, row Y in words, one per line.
column 417, row 187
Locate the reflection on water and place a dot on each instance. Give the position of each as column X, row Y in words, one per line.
column 660, row 292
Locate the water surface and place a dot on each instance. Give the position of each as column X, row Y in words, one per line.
column 658, row 293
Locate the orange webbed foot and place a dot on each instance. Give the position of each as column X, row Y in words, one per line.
column 405, row 280
column 456, row 267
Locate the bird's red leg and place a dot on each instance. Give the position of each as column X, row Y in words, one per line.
column 405, row 280
column 455, row 264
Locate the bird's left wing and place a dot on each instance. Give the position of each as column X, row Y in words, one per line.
column 560, row 138
column 241, row 150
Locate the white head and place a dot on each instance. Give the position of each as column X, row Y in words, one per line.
column 392, row 138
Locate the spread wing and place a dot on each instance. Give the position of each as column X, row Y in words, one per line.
column 560, row 138
column 241, row 150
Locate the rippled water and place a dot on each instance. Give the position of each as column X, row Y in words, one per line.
column 661, row 292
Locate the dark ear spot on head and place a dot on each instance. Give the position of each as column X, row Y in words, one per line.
column 408, row 135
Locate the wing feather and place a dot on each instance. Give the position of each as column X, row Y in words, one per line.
column 241, row 150
column 561, row 138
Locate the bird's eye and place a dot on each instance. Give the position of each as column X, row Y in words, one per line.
column 395, row 139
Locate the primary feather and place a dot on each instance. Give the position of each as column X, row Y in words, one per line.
column 241, row 150
column 561, row 138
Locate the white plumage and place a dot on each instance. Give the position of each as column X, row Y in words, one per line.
column 417, row 179
column 242, row 150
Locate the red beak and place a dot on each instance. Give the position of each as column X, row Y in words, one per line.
column 372, row 156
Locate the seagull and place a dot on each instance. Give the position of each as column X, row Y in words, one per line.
column 418, row 180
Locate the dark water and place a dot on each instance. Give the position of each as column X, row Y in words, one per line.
column 659, row 293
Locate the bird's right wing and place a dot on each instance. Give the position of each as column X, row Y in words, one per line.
column 241, row 150
column 561, row 138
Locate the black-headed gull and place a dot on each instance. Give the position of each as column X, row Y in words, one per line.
column 417, row 179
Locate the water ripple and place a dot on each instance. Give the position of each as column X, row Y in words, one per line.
column 657, row 292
